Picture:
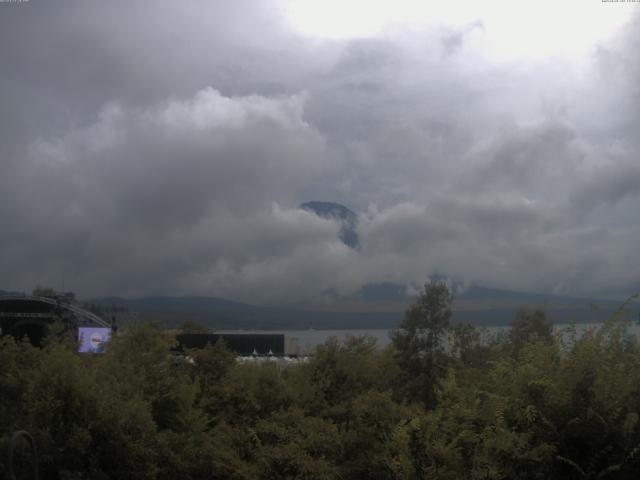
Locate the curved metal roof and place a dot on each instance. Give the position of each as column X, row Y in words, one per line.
column 78, row 311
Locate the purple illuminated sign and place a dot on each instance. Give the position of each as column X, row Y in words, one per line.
column 93, row 339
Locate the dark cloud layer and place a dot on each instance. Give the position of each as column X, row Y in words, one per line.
column 163, row 147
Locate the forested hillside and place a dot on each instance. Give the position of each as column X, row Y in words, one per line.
column 528, row 405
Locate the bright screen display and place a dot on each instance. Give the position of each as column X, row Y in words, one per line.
column 93, row 339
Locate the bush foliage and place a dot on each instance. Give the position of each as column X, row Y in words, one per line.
column 437, row 404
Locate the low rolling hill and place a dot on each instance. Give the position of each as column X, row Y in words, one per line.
column 380, row 307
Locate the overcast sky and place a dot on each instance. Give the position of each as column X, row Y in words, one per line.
column 163, row 147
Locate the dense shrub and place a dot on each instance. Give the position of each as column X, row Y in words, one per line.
column 529, row 406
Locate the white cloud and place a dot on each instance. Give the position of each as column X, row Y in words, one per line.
column 174, row 162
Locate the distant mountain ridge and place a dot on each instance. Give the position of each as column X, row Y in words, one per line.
column 381, row 306
column 476, row 305
column 219, row 313
column 375, row 306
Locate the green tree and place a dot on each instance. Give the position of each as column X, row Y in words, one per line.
column 419, row 343
column 293, row 446
column 339, row 373
column 528, row 327
column 191, row 326
column 368, row 448
column 211, row 365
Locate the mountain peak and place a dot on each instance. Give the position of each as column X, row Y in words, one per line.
column 335, row 211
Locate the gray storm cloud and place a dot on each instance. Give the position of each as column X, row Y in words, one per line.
column 164, row 148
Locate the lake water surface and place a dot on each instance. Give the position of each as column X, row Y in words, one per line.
column 305, row 341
